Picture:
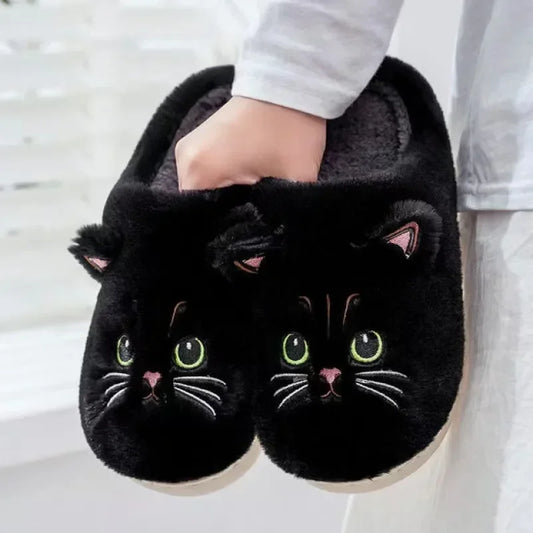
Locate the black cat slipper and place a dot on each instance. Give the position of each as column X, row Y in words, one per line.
column 361, row 314
column 164, row 395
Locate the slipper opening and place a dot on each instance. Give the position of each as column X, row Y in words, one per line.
column 165, row 177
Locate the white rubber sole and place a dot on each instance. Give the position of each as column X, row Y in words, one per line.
column 209, row 484
column 409, row 467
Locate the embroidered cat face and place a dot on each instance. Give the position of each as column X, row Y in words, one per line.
column 344, row 350
column 346, row 360
column 331, row 347
column 185, row 378
column 333, row 354
column 174, row 367
column 162, row 393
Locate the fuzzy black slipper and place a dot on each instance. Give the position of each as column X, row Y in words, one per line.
column 361, row 312
column 164, row 393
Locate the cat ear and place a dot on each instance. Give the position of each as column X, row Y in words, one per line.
column 244, row 243
column 95, row 247
column 414, row 228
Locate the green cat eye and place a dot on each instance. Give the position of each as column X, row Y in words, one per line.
column 295, row 349
column 124, row 351
column 367, row 346
column 189, row 353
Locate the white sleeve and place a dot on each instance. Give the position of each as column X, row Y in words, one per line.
column 315, row 56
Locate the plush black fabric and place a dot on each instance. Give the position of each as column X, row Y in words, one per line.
column 160, row 296
column 368, row 260
column 287, row 285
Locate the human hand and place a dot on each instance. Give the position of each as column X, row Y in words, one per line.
column 248, row 139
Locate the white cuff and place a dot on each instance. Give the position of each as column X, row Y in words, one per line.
column 291, row 91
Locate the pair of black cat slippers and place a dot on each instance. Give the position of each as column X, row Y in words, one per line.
column 323, row 320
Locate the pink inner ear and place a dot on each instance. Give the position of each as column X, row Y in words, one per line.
column 254, row 262
column 97, row 262
column 250, row 265
column 406, row 238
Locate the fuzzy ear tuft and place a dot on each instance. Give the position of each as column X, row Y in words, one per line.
column 244, row 243
column 95, row 247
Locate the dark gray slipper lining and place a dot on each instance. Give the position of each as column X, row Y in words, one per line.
column 351, row 139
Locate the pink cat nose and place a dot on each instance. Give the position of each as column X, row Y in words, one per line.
column 330, row 374
column 152, row 378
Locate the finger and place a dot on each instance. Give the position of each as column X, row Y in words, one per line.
column 211, row 181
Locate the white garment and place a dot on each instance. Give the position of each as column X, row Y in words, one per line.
column 317, row 56
column 492, row 113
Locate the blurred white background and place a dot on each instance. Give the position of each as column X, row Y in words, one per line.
column 79, row 79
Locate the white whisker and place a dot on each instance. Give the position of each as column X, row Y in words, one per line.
column 379, row 384
column 116, row 375
column 179, row 379
column 115, row 397
column 195, row 398
column 202, row 391
column 287, row 375
column 291, row 395
column 115, row 387
column 279, row 391
column 378, row 393
column 382, row 373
